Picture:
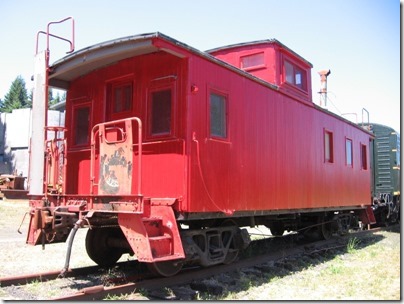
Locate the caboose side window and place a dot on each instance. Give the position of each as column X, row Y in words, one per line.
column 161, row 112
column 289, row 72
column 252, row 61
column 328, row 147
column 364, row 162
column 119, row 99
column 295, row 75
column 218, row 116
column 348, row 152
column 81, row 125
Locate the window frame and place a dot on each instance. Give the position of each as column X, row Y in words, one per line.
column 349, row 156
column 364, row 156
column 75, row 109
column 112, row 86
column 296, row 70
column 150, row 93
column 225, row 97
column 328, row 146
column 252, row 67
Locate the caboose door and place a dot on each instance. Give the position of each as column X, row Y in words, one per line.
column 211, row 179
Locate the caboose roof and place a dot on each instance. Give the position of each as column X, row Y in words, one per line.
column 97, row 56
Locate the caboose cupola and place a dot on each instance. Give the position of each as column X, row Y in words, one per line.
column 271, row 61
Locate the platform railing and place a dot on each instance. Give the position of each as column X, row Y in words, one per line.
column 55, row 161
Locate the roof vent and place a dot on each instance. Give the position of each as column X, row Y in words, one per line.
column 323, row 87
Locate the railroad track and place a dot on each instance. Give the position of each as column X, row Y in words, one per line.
column 44, row 276
column 286, row 246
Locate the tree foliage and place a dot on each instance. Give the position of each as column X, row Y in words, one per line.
column 17, row 96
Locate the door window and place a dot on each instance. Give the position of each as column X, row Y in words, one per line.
column 161, row 112
column 120, row 99
column 81, row 122
column 218, row 115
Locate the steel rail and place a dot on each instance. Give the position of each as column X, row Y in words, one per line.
column 100, row 292
column 45, row 276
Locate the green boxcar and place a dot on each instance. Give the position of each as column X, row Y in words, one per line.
column 385, row 163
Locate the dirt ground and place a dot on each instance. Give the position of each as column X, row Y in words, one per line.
column 22, row 258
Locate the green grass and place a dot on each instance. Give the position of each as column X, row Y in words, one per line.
column 369, row 272
column 115, row 297
column 353, row 244
column 362, row 271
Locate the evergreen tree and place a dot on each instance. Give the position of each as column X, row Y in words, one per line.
column 30, row 96
column 51, row 100
column 55, row 100
column 17, row 96
column 50, row 96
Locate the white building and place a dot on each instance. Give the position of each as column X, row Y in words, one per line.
column 15, row 135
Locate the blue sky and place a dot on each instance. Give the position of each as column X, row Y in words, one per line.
column 358, row 40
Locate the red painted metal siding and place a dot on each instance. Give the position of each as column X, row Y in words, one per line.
column 274, row 156
column 164, row 157
column 268, row 71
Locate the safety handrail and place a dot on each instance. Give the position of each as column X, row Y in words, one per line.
column 47, row 33
column 364, row 110
column 121, row 131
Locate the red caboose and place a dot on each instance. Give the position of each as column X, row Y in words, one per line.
column 168, row 150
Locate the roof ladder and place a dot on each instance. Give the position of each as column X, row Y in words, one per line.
column 40, row 101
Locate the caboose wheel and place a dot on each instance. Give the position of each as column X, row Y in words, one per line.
column 320, row 228
column 325, row 227
column 229, row 241
column 325, row 231
column 165, row 269
column 98, row 247
column 231, row 256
